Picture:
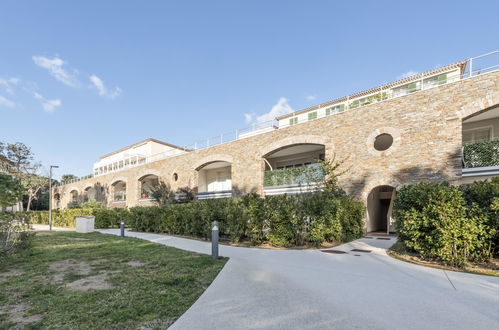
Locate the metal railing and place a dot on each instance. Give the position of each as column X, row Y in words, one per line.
column 414, row 86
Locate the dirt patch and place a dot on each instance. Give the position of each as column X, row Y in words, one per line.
column 64, row 267
column 135, row 264
column 76, row 238
column 96, row 282
column 11, row 273
column 19, row 314
column 82, row 268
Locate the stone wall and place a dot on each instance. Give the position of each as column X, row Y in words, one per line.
column 426, row 127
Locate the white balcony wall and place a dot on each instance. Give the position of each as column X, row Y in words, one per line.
column 216, row 179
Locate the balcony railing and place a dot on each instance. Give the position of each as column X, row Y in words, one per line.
column 481, row 154
column 302, row 175
column 120, row 196
column 475, row 66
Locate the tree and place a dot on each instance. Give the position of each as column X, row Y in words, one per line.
column 33, row 185
column 10, row 191
column 17, row 159
column 331, row 171
column 68, row 177
column 163, row 194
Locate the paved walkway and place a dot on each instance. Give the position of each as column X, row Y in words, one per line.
column 309, row 289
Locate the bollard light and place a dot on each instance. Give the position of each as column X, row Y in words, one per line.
column 122, row 228
column 214, row 240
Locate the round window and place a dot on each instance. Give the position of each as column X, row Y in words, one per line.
column 175, row 177
column 383, row 141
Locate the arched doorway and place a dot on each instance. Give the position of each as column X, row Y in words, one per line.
column 379, row 210
column 90, row 193
column 119, row 191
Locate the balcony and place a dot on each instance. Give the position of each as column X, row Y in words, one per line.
column 119, row 197
column 481, row 158
column 214, row 194
column 293, row 180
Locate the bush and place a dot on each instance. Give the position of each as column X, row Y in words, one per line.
column 433, row 220
column 484, row 195
column 104, row 218
column 14, row 233
column 281, row 220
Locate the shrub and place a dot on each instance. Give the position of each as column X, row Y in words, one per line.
column 14, row 233
column 432, row 219
column 484, row 195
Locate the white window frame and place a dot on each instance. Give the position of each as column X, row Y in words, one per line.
column 489, row 127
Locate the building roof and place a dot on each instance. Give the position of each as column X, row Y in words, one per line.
column 459, row 65
column 138, row 144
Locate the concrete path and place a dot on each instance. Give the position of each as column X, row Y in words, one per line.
column 310, row 289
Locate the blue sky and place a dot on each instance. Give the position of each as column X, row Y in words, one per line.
column 79, row 79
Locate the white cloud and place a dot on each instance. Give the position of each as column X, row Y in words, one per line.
column 311, row 97
column 56, row 67
column 101, row 88
column 48, row 105
column 407, row 74
column 5, row 102
column 279, row 109
column 8, row 84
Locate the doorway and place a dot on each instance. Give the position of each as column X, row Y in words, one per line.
column 379, row 209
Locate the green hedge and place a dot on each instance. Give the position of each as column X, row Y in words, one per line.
column 280, row 220
column 434, row 220
column 104, row 218
column 481, row 154
column 297, row 175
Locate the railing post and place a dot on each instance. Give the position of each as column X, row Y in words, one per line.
column 471, row 67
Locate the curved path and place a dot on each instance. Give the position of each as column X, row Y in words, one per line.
column 310, row 289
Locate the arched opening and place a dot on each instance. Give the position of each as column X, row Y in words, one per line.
column 119, row 192
column 293, row 169
column 215, row 180
column 57, row 200
column 379, row 210
column 147, row 185
column 90, row 193
column 73, row 196
column 480, row 145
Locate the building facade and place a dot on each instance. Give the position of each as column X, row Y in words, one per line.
column 416, row 129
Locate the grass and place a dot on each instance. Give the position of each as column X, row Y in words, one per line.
column 400, row 252
column 145, row 284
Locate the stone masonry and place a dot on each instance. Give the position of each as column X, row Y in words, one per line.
column 426, row 127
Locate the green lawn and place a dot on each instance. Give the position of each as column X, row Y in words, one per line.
column 81, row 281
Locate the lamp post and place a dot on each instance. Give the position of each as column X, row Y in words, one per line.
column 50, row 196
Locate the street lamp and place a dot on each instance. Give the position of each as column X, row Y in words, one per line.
column 50, row 196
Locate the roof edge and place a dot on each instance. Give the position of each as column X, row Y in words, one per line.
column 141, row 143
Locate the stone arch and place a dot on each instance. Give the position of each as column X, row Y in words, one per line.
column 147, row 172
column 211, row 159
column 296, row 140
column 377, row 183
column 480, row 105
column 118, row 180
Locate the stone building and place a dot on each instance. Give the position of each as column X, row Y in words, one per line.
column 416, row 129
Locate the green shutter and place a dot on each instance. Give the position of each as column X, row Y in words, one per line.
column 442, row 79
column 293, row 121
column 312, row 115
column 411, row 87
column 328, row 111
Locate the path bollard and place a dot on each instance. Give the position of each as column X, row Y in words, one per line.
column 122, row 228
column 214, row 240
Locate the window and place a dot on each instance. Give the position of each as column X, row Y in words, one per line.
column 477, row 135
column 293, row 121
column 335, row 109
column 383, row 141
column 312, row 115
column 175, row 177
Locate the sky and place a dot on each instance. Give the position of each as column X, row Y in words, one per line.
column 80, row 79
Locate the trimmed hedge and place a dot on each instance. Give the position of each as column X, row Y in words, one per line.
column 104, row 218
column 479, row 154
column 306, row 219
column 434, row 220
